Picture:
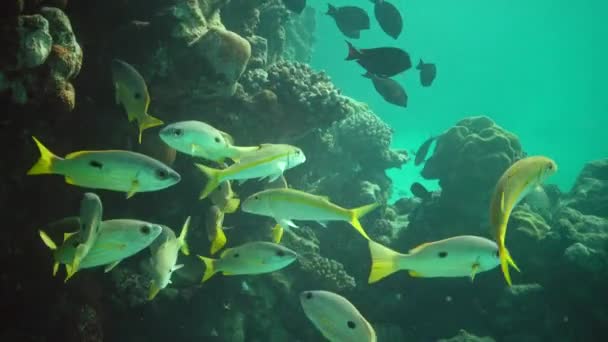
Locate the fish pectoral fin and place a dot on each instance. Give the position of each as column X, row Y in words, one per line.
column 274, row 177
column 70, row 180
column 277, row 233
column 134, row 188
column 68, row 235
column 111, row 266
column 474, row 271
column 286, row 223
column 415, row 274
column 176, row 267
column 322, row 223
column 195, row 149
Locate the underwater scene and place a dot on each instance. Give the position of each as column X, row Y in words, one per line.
column 304, row 170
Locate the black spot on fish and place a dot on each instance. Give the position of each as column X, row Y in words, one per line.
column 280, row 253
column 145, row 230
column 137, row 96
column 236, row 255
column 162, row 174
column 351, row 324
column 96, row 164
column 309, row 295
column 217, row 140
column 443, row 254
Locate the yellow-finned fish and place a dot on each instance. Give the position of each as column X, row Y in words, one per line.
column 269, row 161
column 521, row 177
column 164, row 252
column 224, row 198
column 91, row 211
column 459, row 256
column 200, row 139
column 132, row 94
column 115, row 170
column 117, row 240
column 285, row 205
column 250, row 258
column 336, row 318
column 215, row 229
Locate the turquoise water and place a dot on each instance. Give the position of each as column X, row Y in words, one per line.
column 537, row 68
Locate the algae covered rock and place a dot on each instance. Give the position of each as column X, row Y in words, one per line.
column 590, row 192
column 468, row 160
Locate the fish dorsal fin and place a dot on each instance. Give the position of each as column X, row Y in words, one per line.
column 227, row 137
column 225, row 252
column 76, row 154
column 419, row 248
column 66, row 236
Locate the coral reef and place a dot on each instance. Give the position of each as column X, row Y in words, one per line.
column 42, row 59
column 468, row 160
column 589, row 195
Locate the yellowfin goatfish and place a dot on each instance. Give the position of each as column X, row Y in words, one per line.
column 117, row 240
column 269, row 161
column 336, row 318
column 250, row 258
column 91, row 211
column 164, row 252
column 215, row 229
column 224, row 198
column 285, row 205
column 519, row 179
column 132, row 94
column 116, row 170
column 199, row 139
column 459, row 256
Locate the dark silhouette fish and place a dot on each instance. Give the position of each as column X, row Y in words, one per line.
column 420, row 191
column 351, row 20
column 428, row 71
column 296, row 6
column 423, row 150
column 383, row 61
column 391, row 90
column 388, row 17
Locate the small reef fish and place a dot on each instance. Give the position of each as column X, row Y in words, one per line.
column 390, row 90
column 428, row 71
column 336, row 318
column 423, row 150
column 285, row 205
column 388, row 17
column 115, row 170
column 91, row 211
column 269, row 161
column 132, row 94
column 117, row 240
column 164, row 252
column 420, row 191
column 224, row 198
column 514, row 184
column 296, row 6
column 459, row 256
column 382, row 61
column 351, row 20
column 215, row 230
column 250, row 258
column 202, row 140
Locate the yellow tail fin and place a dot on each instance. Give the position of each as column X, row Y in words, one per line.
column 232, row 205
column 213, row 179
column 154, row 290
column 384, row 261
column 44, row 165
column 182, row 237
column 148, row 122
column 219, row 242
column 505, row 261
column 357, row 213
column 209, row 268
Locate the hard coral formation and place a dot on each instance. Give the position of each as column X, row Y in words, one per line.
column 45, row 58
column 468, row 160
column 590, row 192
column 327, row 273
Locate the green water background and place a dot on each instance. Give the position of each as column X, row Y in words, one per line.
column 538, row 68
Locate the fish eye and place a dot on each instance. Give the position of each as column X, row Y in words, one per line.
column 217, row 139
column 351, row 325
column 145, row 230
column 297, row 152
column 280, row 253
column 308, row 295
column 256, row 197
column 137, row 96
column 178, row 132
column 550, row 166
column 443, row 254
column 236, row 255
column 162, row 174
